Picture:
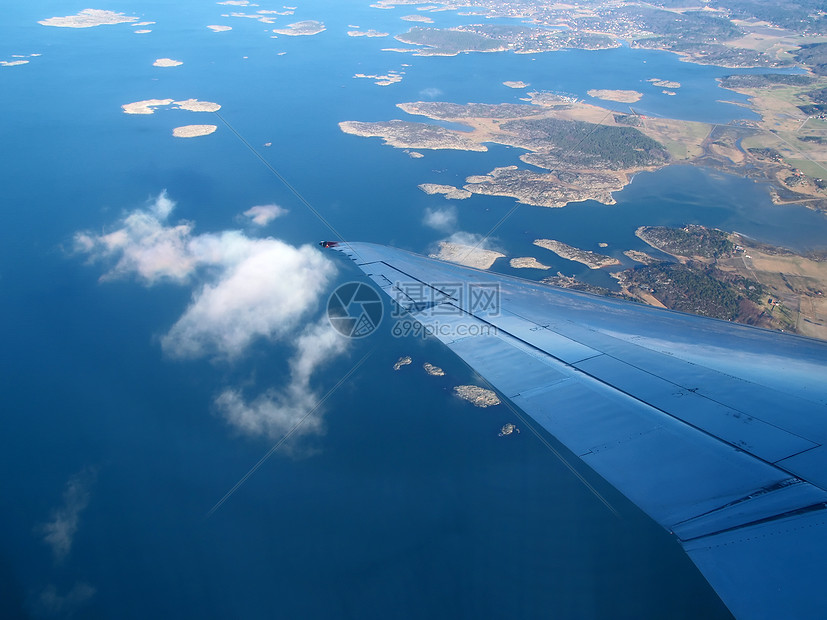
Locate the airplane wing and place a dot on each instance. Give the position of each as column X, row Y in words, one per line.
column 716, row 430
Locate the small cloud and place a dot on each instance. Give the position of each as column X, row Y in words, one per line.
column 266, row 288
column 443, row 220
column 473, row 239
column 249, row 288
column 430, row 93
column 261, row 215
column 274, row 413
column 51, row 603
column 144, row 245
column 59, row 532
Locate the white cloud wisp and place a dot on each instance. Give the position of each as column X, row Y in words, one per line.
column 245, row 290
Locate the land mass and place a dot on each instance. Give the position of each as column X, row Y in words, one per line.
column 592, row 260
column 590, row 152
column 721, row 275
column 732, row 33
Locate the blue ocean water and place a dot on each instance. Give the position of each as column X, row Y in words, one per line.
column 409, row 505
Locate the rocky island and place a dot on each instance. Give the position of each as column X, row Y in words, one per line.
column 434, row 371
column 88, row 18
column 621, row 96
column 592, row 260
column 528, row 262
column 477, row 396
column 305, row 28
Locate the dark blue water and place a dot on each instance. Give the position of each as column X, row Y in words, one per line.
column 409, row 505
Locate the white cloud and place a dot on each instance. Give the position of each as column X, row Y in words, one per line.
column 261, row 215
column 59, row 532
column 50, row 603
column 144, row 245
column 254, row 288
column 274, row 413
column 244, row 289
column 444, row 220
column 465, row 238
column 265, row 294
column 430, row 93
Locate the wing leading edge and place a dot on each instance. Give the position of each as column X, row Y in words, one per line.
column 717, row 431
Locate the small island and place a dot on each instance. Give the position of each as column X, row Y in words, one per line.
column 304, row 28
column 417, row 18
column 402, row 361
column 477, row 396
column 621, row 96
column 392, row 77
column 592, row 260
column 145, row 107
column 664, row 83
column 366, row 33
column 467, row 255
column 149, row 105
column 167, row 62
column 193, row 131
column 528, row 262
column 434, row 371
column 517, row 84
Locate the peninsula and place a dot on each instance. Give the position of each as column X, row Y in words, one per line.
column 449, row 191
column 406, row 134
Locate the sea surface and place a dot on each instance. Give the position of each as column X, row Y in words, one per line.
column 408, row 505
